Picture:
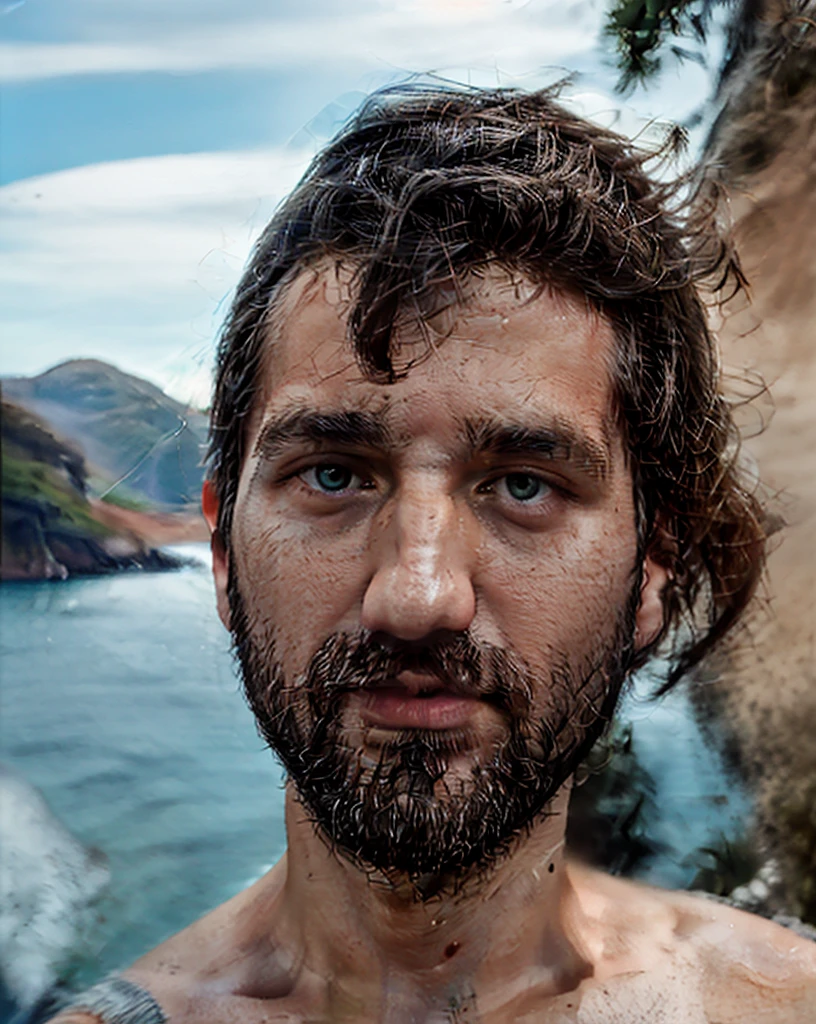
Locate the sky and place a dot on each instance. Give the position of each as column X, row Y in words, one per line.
column 145, row 144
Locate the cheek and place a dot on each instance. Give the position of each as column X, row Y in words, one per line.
column 298, row 586
column 563, row 592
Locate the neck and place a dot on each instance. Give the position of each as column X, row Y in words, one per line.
column 515, row 928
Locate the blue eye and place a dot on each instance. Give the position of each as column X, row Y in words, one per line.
column 525, row 486
column 332, row 478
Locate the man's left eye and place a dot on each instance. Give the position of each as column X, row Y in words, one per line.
column 331, row 478
column 524, row 487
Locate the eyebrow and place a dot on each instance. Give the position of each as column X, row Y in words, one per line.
column 559, row 441
column 351, row 428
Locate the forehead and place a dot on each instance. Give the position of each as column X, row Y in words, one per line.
column 509, row 349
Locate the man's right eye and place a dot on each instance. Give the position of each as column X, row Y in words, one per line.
column 331, row 478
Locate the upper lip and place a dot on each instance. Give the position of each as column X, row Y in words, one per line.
column 414, row 684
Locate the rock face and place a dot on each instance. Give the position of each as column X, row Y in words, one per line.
column 49, row 529
column 127, row 428
column 763, row 151
column 49, row 887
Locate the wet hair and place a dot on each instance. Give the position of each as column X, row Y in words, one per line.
column 425, row 189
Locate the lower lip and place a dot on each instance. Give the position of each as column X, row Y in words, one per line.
column 396, row 709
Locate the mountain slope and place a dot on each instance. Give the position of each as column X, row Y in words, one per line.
column 130, row 432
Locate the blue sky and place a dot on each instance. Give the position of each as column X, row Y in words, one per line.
column 144, row 144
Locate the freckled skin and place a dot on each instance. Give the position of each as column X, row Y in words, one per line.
column 426, row 537
column 420, row 549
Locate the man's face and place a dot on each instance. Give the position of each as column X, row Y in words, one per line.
column 433, row 585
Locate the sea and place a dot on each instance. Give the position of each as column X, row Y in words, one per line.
column 120, row 702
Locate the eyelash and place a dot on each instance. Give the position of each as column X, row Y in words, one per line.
column 486, row 487
column 367, row 484
column 490, row 486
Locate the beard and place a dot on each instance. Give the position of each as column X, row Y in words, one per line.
column 402, row 815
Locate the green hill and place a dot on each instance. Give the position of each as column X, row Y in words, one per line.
column 132, row 435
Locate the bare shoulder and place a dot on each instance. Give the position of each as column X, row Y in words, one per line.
column 197, row 974
column 175, row 974
column 734, row 966
column 754, row 969
column 228, row 953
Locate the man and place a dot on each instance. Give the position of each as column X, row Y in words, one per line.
column 470, row 465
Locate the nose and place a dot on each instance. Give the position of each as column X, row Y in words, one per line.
column 422, row 576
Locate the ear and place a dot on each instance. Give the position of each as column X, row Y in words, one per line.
column 220, row 557
column 649, row 620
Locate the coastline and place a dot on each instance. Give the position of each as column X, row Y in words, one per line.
column 127, row 540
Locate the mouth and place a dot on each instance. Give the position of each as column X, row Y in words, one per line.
column 414, row 701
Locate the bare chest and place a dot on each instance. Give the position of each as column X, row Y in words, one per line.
column 636, row 1000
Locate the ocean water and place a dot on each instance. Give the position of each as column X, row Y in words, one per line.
column 119, row 701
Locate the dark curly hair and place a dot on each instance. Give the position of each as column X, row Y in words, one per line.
column 425, row 187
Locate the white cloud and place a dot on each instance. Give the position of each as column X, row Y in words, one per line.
column 413, row 35
column 132, row 261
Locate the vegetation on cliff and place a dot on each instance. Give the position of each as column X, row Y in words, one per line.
column 141, row 446
column 49, row 529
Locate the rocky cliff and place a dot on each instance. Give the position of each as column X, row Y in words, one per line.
column 50, row 530
column 762, row 152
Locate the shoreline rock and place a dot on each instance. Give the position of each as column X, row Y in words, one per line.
column 37, row 546
column 52, row 529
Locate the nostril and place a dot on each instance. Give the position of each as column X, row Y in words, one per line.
column 386, row 641
column 431, row 641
